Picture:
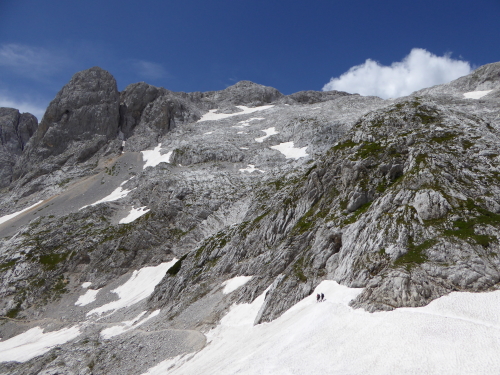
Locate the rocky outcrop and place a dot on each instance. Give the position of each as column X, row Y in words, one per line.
column 242, row 93
column 15, row 131
column 83, row 116
column 311, row 97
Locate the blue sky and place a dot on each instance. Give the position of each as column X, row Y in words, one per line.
column 195, row 45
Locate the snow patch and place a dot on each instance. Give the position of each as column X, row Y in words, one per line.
column 212, row 116
column 134, row 214
column 232, row 284
column 86, row 284
column 455, row 334
column 140, row 285
column 247, row 122
column 5, row 218
column 251, row 168
column 290, row 151
column 154, row 157
column 34, row 342
column 127, row 325
column 269, row 132
column 244, row 148
column 207, row 133
column 87, row 298
column 476, row 94
column 118, row 193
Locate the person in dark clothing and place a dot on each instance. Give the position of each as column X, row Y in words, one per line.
column 318, row 297
column 322, row 297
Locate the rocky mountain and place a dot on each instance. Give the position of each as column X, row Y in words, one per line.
column 272, row 194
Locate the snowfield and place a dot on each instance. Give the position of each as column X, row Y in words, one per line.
column 232, row 284
column 455, row 334
column 290, row 151
column 134, row 214
column 154, row 157
column 212, row 116
column 269, row 132
column 34, row 342
column 87, row 298
column 140, row 285
column 126, row 326
column 5, row 218
column 115, row 195
column 476, row 94
column 250, row 169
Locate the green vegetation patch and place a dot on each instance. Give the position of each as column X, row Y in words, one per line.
column 444, row 138
column 464, row 229
column 361, row 210
column 415, row 254
column 346, row 144
column 50, row 261
column 174, row 270
column 369, row 149
column 12, row 313
column 6, row 265
column 298, row 270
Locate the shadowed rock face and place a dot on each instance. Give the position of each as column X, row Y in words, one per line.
column 15, row 131
column 86, row 109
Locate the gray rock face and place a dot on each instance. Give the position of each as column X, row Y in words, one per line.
column 86, row 109
column 133, row 100
column 430, row 204
column 243, row 93
column 311, row 97
column 15, row 131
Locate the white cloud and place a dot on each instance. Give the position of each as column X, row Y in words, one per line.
column 418, row 70
column 22, row 105
column 33, row 62
column 149, row 69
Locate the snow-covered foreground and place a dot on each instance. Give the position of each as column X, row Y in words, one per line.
column 212, row 116
column 476, row 94
column 34, row 342
column 5, row 218
column 456, row 334
column 140, row 285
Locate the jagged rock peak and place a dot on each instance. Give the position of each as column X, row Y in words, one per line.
column 85, row 111
column 15, row 131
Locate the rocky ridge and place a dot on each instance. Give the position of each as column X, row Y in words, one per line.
column 400, row 197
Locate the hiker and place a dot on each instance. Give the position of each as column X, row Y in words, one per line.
column 317, row 297
column 322, row 297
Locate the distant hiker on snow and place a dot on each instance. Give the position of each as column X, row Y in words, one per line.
column 317, row 297
column 322, row 297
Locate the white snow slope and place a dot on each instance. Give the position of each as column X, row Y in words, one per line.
column 476, row 94
column 5, row 218
column 34, row 342
column 212, row 116
column 455, row 334
column 140, row 285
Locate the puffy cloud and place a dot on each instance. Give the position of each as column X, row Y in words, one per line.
column 418, row 70
column 147, row 69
